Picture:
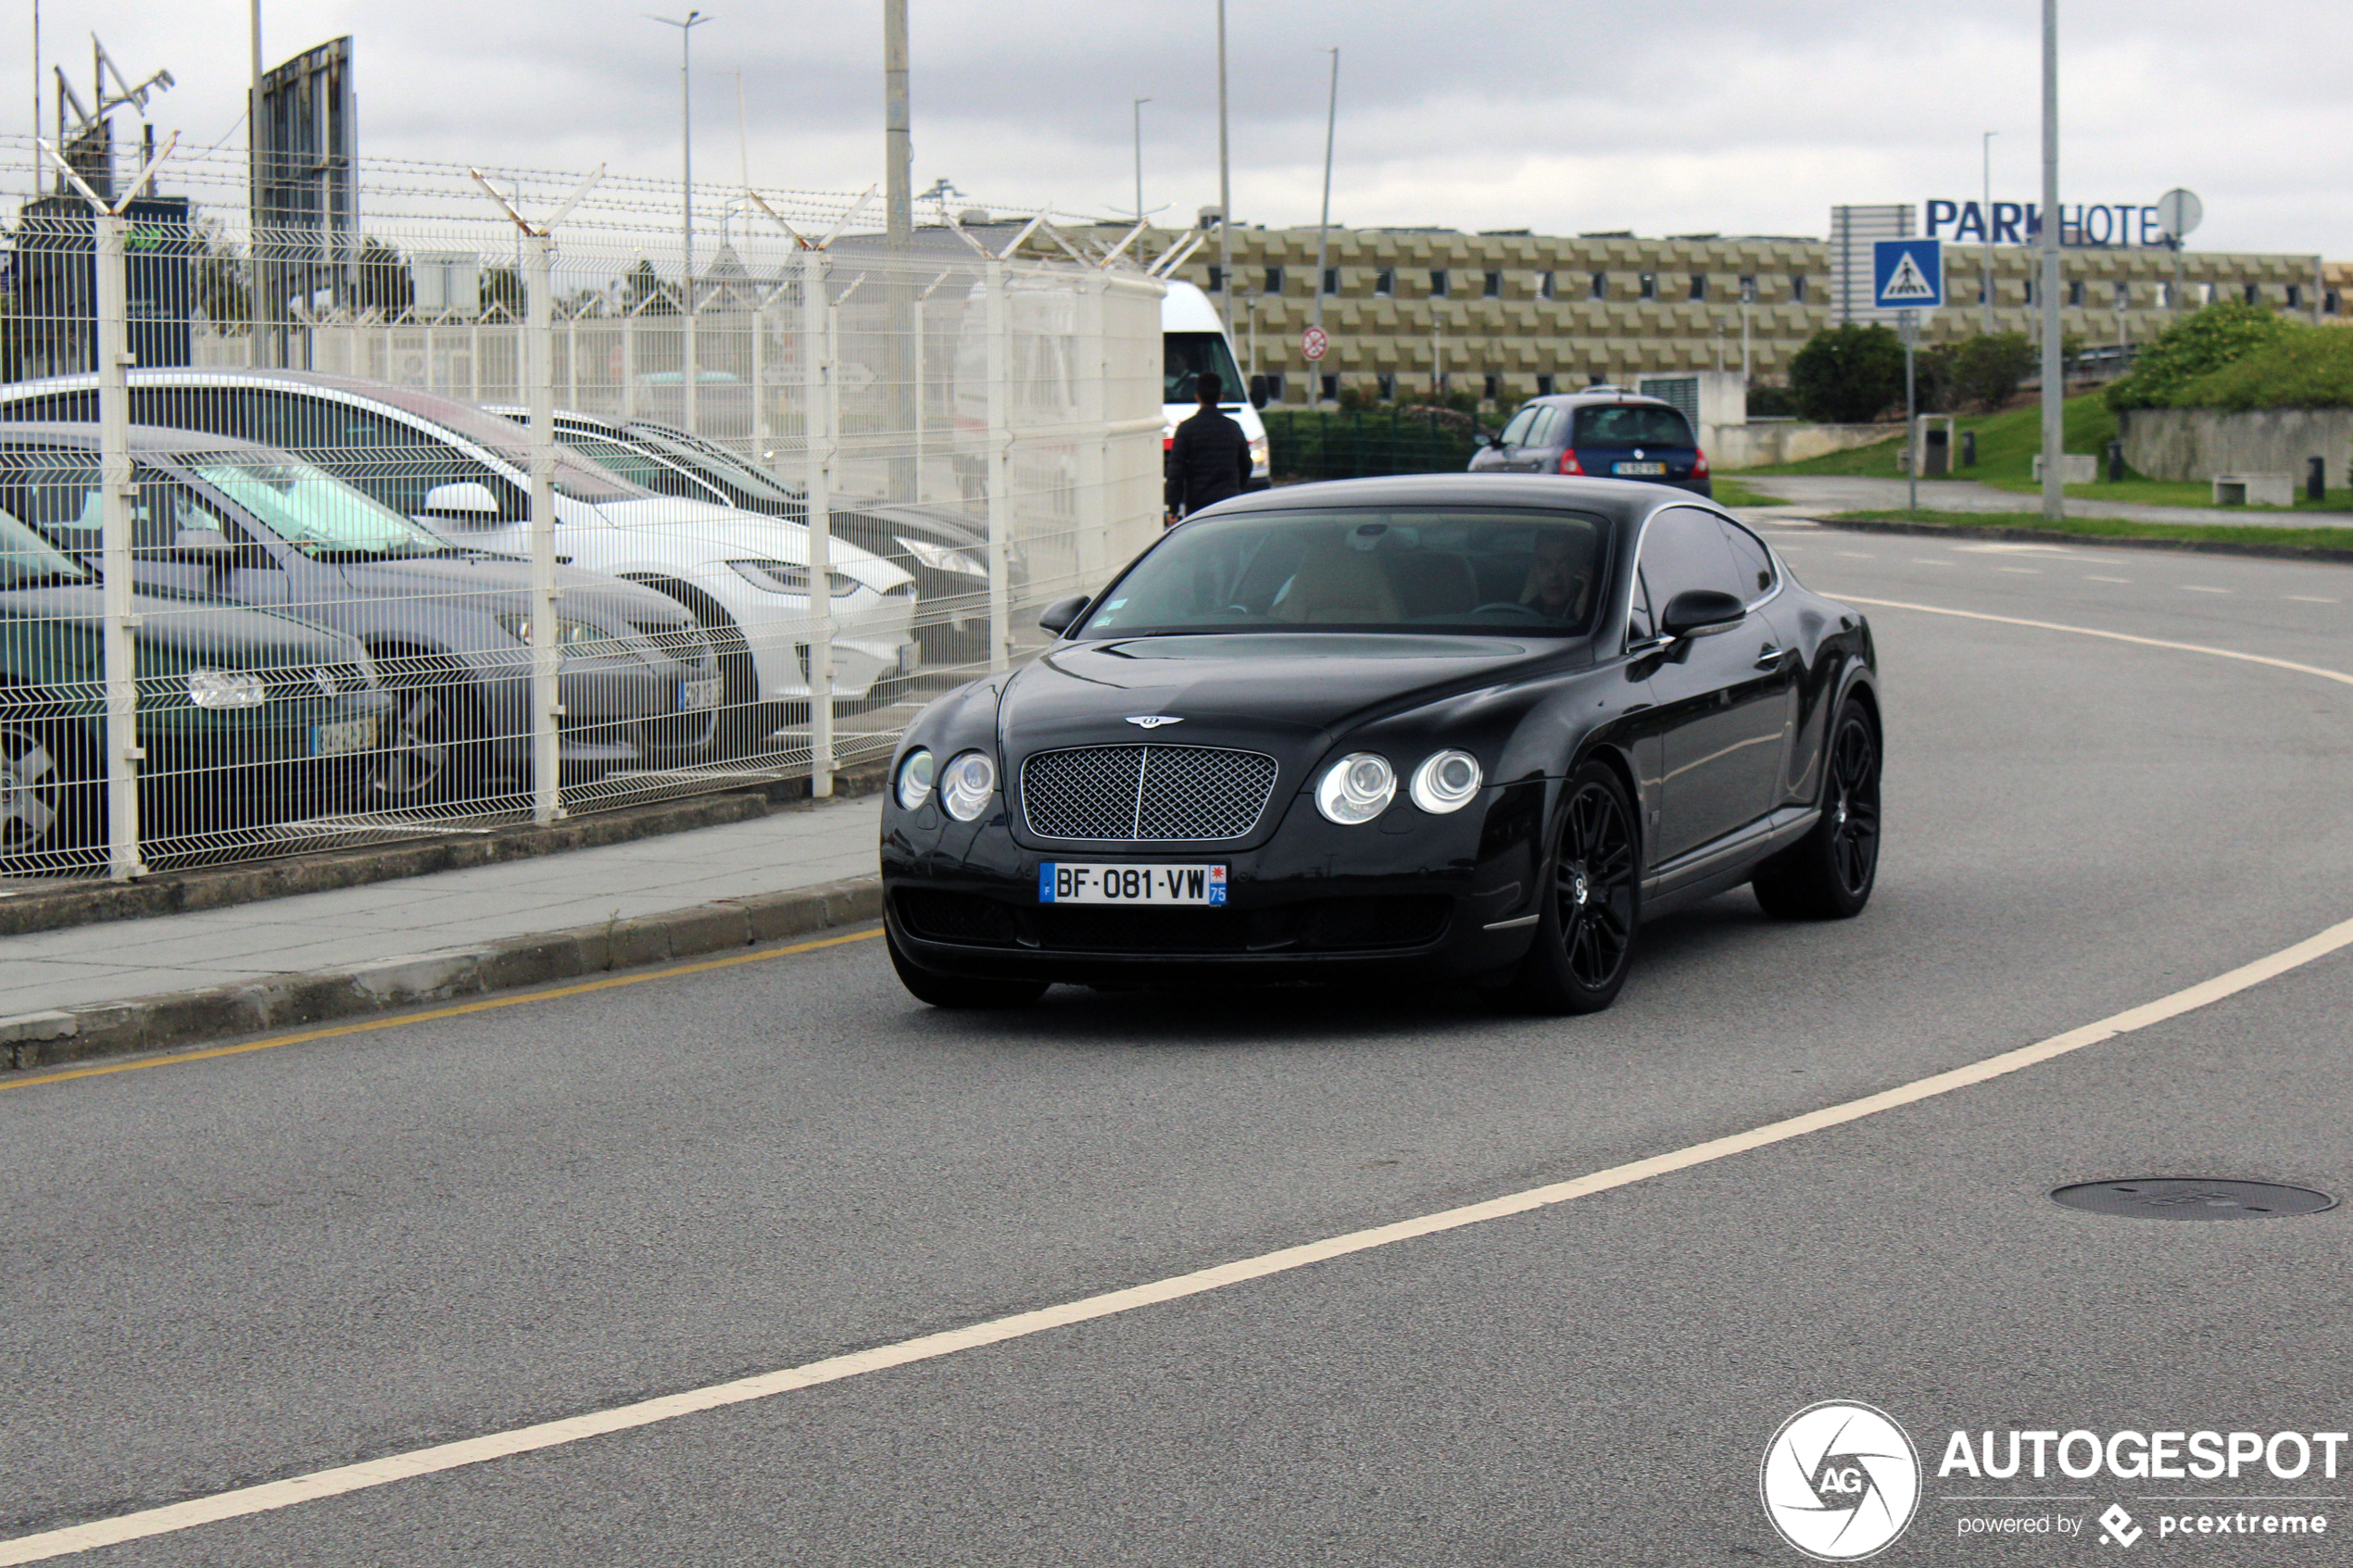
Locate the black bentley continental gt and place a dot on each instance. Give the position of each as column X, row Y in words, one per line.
column 1456, row 727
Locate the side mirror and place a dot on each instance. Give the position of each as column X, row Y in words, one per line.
column 1696, row 610
column 469, row 500
column 209, row 545
column 1059, row 616
column 1258, row 392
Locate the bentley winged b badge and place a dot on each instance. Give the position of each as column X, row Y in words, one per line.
column 1154, row 721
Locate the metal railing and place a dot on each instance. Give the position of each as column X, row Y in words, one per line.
column 496, row 510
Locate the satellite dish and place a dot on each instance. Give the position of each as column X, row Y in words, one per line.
column 2178, row 212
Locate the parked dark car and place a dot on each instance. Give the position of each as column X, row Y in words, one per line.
column 448, row 627
column 245, row 718
column 1450, row 726
column 1599, row 433
column 946, row 557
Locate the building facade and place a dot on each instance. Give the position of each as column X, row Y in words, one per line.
column 1514, row 315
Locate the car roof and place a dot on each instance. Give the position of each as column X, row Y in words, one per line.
column 1622, row 500
column 1584, row 399
column 143, row 438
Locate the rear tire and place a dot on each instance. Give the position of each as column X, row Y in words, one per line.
column 959, row 991
column 1829, row 874
column 52, row 800
column 1592, row 897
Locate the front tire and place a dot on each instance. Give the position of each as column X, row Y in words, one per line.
column 1829, row 874
column 51, row 800
column 959, row 991
column 1592, row 902
column 436, row 754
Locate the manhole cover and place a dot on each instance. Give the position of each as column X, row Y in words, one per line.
column 2192, row 1198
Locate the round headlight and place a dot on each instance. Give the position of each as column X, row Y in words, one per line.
column 1445, row 782
column 967, row 784
column 1356, row 788
column 915, row 779
column 226, row 688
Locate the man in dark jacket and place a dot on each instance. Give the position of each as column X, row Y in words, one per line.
column 1208, row 461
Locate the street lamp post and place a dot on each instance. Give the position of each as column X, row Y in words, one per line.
column 1988, row 211
column 1140, row 158
column 686, row 134
column 1323, row 235
column 1225, row 184
column 2054, row 371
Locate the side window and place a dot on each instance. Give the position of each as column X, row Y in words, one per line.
column 1751, row 559
column 397, row 464
column 1684, row 549
column 1515, row 432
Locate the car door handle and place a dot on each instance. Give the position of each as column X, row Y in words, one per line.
column 1768, row 657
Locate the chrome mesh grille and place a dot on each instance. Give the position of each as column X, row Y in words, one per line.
column 1146, row 791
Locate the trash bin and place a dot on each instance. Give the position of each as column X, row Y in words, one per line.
column 1936, row 452
column 1969, row 448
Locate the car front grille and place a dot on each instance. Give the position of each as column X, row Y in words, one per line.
column 1367, row 925
column 1159, row 793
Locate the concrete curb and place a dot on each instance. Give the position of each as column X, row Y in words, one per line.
column 2088, row 541
column 146, row 1023
column 213, row 887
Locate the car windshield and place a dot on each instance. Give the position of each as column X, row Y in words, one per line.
column 1184, row 355
column 722, row 468
column 1436, row 569
column 1632, row 424
column 312, row 510
column 26, row 558
column 575, row 478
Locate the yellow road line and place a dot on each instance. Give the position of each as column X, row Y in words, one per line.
column 343, row 1479
column 458, row 1010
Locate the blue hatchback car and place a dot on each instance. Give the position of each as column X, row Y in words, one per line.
column 1599, row 433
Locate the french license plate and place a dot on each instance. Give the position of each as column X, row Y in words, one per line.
column 698, row 694
column 338, row 739
column 1658, row 469
column 1060, row 882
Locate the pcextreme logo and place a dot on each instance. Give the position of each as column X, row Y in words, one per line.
column 1841, row 1481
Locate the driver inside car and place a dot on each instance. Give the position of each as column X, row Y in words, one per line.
column 1557, row 584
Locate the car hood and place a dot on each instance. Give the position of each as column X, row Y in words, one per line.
column 504, row 584
column 183, row 630
column 768, row 538
column 1290, row 688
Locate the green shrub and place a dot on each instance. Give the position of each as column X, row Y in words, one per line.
column 1768, row 402
column 1849, row 374
column 2195, row 346
column 2304, row 367
column 1987, row 368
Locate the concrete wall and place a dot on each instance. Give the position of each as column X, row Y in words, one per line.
column 1756, row 445
column 2201, row 443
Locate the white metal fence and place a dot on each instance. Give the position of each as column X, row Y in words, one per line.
column 517, row 501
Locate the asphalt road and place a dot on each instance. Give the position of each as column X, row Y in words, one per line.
column 255, row 1267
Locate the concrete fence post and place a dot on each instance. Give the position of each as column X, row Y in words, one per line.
column 546, row 706
column 999, row 458
column 817, row 382
column 119, row 652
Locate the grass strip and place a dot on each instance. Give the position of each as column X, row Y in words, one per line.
column 2264, row 541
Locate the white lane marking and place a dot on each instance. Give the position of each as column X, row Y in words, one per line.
column 2309, row 599
column 2011, row 549
column 2088, row 578
column 372, row 1473
column 2338, row 675
column 1855, row 555
column 1918, row 561
column 2021, row 571
column 2199, row 588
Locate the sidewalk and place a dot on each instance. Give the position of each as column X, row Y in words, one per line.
column 137, row 985
column 1826, row 493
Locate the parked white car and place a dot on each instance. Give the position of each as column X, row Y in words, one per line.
column 465, row 473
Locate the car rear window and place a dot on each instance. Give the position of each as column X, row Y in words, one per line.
column 1632, row 424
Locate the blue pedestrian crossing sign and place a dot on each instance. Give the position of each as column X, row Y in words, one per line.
column 1908, row 274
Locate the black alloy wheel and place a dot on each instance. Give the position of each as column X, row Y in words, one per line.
column 51, row 802
column 1830, row 873
column 433, row 754
column 1593, row 903
column 956, row 990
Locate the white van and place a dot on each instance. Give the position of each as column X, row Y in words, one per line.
column 1193, row 340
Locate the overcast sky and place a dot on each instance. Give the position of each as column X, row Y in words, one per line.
column 1736, row 115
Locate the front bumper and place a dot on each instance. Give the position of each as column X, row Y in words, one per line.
column 1408, row 896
